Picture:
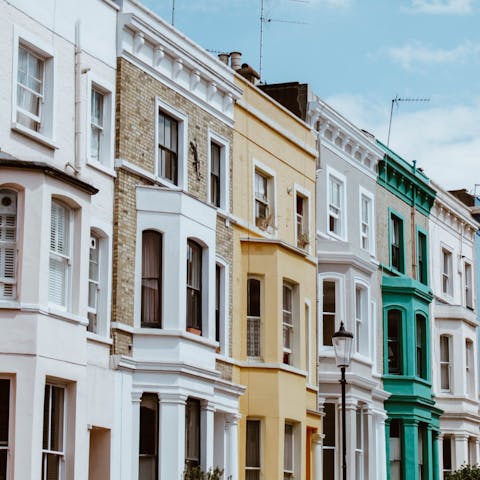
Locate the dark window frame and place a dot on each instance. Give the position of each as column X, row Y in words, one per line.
column 194, row 285
column 167, row 149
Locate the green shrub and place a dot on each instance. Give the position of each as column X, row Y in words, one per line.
column 196, row 473
column 467, row 472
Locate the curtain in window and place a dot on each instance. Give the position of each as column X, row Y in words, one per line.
column 192, row 432
column 194, row 285
column 151, row 279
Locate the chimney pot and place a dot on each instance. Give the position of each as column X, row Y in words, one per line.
column 223, row 57
column 236, row 60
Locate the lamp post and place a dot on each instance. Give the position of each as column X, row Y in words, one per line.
column 342, row 343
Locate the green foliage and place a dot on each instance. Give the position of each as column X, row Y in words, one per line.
column 196, row 473
column 467, row 472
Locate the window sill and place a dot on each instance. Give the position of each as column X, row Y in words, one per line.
column 167, row 183
column 10, row 305
column 68, row 316
column 334, row 236
column 47, row 142
column 95, row 337
column 102, row 168
column 159, row 332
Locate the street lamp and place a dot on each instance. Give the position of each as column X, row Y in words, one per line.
column 342, row 343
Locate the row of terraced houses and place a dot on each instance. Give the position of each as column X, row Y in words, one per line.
column 178, row 244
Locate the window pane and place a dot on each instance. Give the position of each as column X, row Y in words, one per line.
column 394, row 341
column 288, row 448
column 192, row 432
column 148, row 451
column 151, row 314
column 194, row 281
column 253, row 444
column 329, row 310
column 253, row 297
column 4, row 412
column 329, row 424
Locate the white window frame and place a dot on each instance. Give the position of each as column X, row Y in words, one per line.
column 468, row 284
column 269, row 174
column 337, row 177
column 288, row 327
column 183, row 148
column 9, row 245
column 59, row 453
column 257, row 319
column 44, row 51
column 370, row 236
column 224, row 306
column 105, row 162
column 224, row 145
column 445, row 363
column 339, row 281
column 450, row 439
column 308, row 341
column 446, row 276
column 103, row 294
column 364, row 321
column 336, row 445
column 360, row 449
column 67, row 257
column 298, row 190
column 469, row 368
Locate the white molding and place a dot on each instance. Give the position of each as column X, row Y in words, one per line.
column 372, row 238
column 267, row 120
column 332, row 173
column 225, row 169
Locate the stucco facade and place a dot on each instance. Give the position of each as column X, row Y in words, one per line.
column 56, row 186
column 274, row 333
column 454, row 339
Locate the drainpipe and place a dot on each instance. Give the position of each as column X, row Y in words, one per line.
column 78, row 100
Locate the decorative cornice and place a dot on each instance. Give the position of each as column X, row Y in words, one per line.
column 454, row 214
column 162, row 51
column 336, row 131
column 405, row 181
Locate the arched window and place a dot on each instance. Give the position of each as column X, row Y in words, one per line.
column 194, row 285
column 394, row 342
column 8, row 243
column 151, row 310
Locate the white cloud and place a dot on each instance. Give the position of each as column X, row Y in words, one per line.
column 444, row 140
column 416, row 55
column 337, row 3
column 441, row 6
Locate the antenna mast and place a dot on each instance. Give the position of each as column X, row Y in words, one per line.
column 173, row 12
column 396, row 101
column 264, row 20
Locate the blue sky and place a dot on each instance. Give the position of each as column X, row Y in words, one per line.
column 358, row 55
